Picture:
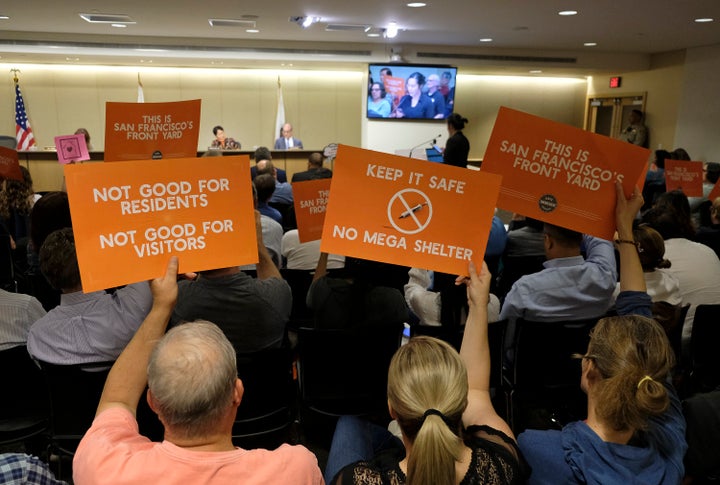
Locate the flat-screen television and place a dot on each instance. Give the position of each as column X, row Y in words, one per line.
column 410, row 91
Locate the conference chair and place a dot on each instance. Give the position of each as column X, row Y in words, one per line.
column 268, row 407
column 8, row 141
column 543, row 380
column 24, row 407
column 704, row 355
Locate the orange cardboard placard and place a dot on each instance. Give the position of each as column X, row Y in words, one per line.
column 715, row 192
column 310, row 199
column 9, row 165
column 684, row 175
column 404, row 211
column 395, row 86
column 561, row 174
column 129, row 218
column 144, row 131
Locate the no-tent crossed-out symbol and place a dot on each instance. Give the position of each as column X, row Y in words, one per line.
column 410, row 211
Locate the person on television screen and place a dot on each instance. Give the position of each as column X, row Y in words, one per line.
column 433, row 83
column 286, row 140
column 447, row 91
column 415, row 104
column 457, row 146
column 221, row 140
column 378, row 106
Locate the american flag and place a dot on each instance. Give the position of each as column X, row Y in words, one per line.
column 23, row 132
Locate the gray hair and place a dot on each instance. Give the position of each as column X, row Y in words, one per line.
column 192, row 374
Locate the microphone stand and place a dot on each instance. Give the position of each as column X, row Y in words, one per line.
column 433, row 140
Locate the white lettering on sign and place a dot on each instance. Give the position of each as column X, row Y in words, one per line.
column 382, row 172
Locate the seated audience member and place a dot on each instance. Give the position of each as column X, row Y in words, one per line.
column 570, row 287
column 286, row 140
column 283, row 193
column 695, row 265
column 22, row 469
column 315, row 169
column 377, row 105
column 677, row 202
column 193, row 386
column 441, row 400
column 635, row 430
column 660, row 283
column 524, row 252
column 305, row 255
column 17, row 313
column 17, row 198
column 680, row 154
column 355, row 296
column 263, row 153
column 438, row 301
column 709, row 234
column 85, row 327
column 252, row 312
column 265, row 185
column 655, row 178
column 222, row 141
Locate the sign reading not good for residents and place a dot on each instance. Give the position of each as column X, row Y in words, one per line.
column 561, row 174
column 404, row 211
column 129, row 218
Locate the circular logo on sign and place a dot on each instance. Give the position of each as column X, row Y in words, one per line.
column 547, row 203
column 157, row 155
column 409, row 211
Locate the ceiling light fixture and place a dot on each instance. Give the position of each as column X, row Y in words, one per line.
column 536, row 71
column 107, row 18
column 373, row 34
column 119, row 26
column 304, row 21
column 704, row 20
column 252, row 31
column 567, row 13
column 416, row 4
column 392, row 30
column 4, row 17
column 486, row 39
column 590, row 44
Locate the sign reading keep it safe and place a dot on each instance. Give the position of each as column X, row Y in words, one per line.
column 129, row 218
column 404, row 211
column 561, row 174
column 144, row 131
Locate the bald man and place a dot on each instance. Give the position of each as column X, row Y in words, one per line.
column 433, row 91
column 286, row 140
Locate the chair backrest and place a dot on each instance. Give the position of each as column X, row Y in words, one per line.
column 23, row 384
column 7, row 268
column 268, row 402
column 74, row 396
column 704, row 355
column 345, row 371
column 8, row 141
column 702, row 414
column 543, row 353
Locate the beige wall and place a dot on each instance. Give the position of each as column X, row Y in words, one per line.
column 663, row 83
column 323, row 106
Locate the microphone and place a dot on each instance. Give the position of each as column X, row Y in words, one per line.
column 433, row 140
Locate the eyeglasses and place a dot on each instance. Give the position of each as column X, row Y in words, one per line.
column 375, row 89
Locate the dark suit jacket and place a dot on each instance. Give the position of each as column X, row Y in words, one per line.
column 319, row 173
column 280, row 143
column 281, row 174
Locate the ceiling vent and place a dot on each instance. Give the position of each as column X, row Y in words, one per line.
column 243, row 24
column 107, row 18
column 347, row 28
column 495, row 58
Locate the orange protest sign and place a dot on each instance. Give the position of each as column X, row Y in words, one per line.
column 560, row 174
column 9, row 166
column 715, row 192
column 685, row 176
column 144, row 131
column 395, row 87
column 129, row 218
column 310, row 200
column 403, row 211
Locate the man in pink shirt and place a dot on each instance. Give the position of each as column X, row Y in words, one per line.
column 194, row 389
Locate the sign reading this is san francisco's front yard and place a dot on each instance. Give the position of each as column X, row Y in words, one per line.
column 561, row 174
column 129, row 218
column 409, row 212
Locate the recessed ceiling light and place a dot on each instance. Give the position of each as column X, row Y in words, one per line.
column 119, row 26
column 252, row 31
column 143, row 49
column 416, row 4
column 4, row 17
column 72, row 59
column 107, row 18
column 566, row 13
column 536, row 71
column 590, row 44
column 704, row 20
column 373, row 34
column 486, row 39
column 392, row 30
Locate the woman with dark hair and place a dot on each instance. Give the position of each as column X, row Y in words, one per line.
column 457, row 146
column 222, row 141
column 415, row 104
column 378, row 106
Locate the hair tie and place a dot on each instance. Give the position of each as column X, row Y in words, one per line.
column 436, row 413
column 646, row 378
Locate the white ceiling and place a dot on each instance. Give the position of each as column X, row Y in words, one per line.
column 631, row 29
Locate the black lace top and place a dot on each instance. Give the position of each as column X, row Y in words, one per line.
column 496, row 460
